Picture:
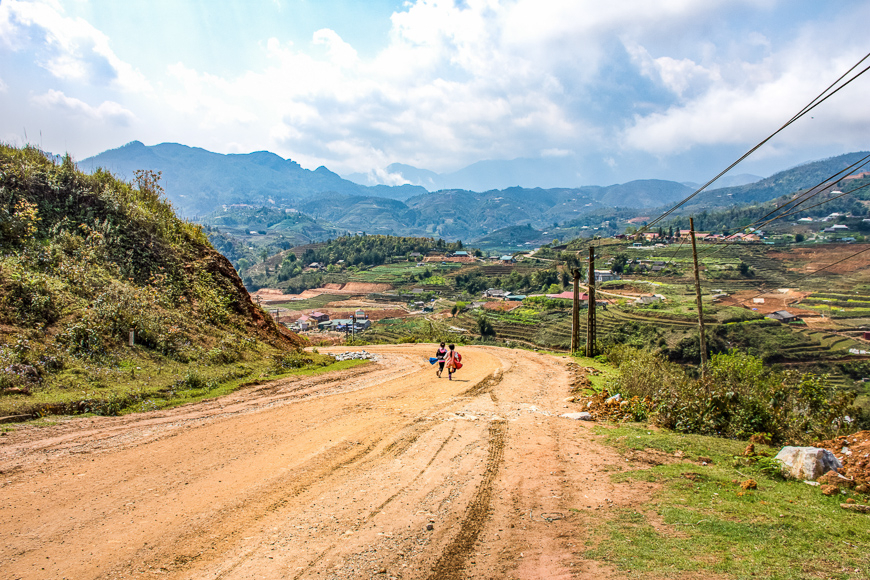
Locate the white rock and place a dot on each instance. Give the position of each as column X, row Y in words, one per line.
column 807, row 463
column 617, row 397
column 581, row 416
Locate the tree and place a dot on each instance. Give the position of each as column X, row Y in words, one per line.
column 799, row 238
column 619, row 263
column 484, row 327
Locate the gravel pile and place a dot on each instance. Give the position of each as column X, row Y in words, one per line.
column 361, row 355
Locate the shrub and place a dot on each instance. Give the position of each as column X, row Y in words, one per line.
column 484, row 327
column 739, row 397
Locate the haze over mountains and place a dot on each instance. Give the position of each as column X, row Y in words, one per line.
column 199, row 182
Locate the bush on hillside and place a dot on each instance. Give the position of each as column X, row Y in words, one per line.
column 84, row 259
column 739, row 398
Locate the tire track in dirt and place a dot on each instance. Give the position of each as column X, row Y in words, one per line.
column 451, row 563
column 484, row 386
column 377, row 510
column 365, row 460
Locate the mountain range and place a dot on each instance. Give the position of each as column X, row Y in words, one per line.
column 200, row 182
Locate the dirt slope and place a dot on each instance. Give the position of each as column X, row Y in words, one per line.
column 336, row 476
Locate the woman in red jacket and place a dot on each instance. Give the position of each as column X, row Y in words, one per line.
column 452, row 361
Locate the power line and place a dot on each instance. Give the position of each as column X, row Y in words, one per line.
column 823, row 202
column 822, row 97
column 814, row 272
column 726, row 243
column 798, row 200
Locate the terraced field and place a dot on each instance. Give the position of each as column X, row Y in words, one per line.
column 311, row 303
column 385, row 274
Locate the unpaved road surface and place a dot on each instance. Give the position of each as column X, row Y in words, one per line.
column 382, row 471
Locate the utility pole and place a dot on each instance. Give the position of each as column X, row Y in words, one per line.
column 590, row 311
column 700, row 304
column 575, row 313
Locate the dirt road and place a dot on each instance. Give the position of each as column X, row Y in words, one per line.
column 383, row 471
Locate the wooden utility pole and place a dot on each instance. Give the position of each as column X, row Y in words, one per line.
column 590, row 311
column 698, row 297
column 575, row 314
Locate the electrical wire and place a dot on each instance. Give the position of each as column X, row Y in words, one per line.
column 818, row 100
column 726, row 243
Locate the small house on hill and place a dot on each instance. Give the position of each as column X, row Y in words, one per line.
column 495, row 293
column 319, row 317
column 566, row 295
column 506, row 259
column 783, row 316
column 645, row 300
column 605, row 276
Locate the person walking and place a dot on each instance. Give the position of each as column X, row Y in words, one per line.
column 440, row 355
column 452, row 361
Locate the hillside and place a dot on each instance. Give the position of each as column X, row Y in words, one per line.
column 782, row 183
column 85, row 260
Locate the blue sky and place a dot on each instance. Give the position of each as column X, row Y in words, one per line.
column 672, row 89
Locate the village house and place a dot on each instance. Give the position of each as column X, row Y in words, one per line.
column 497, row 293
column 646, row 300
column 605, row 276
column 783, row 316
column 304, row 322
column 319, row 317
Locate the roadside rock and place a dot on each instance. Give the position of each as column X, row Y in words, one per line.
column 581, row 416
column 834, row 478
column 853, row 451
column 807, row 462
column 830, row 490
column 361, row 355
column 856, row 507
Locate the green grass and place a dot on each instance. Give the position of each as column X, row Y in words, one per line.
column 310, row 303
column 138, row 385
column 782, row 530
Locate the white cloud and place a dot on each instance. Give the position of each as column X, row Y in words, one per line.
column 68, row 48
column 457, row 82
column 107, row 112
column 340, row 52
column 556, row 152
column 746, row 101
column 3, row 86
column 677, row 75
column 384, row 177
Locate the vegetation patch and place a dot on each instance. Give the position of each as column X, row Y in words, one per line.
column 701, row 519
column 86, row 262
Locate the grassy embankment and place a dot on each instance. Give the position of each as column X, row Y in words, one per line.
column 700, row 520
column 85, row 260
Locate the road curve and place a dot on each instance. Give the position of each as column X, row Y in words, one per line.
column 381, row 471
